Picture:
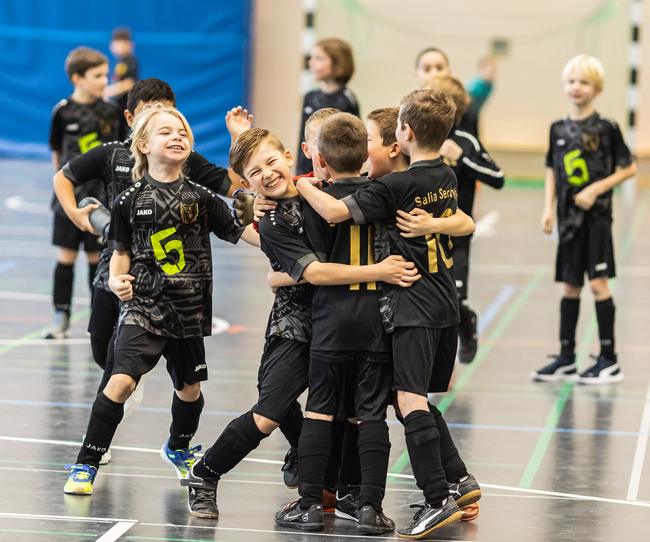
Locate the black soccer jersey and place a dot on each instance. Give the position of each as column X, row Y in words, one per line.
column 580, row 153
column 282, row 240
column 112, row 163
column 346, row 317
column 474, row 165
column 166, row 227
column 430, row 185
column 344, row 100
column 126, row 68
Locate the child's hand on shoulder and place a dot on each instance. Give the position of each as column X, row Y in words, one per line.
column 261, row 206
column 121, row 286
column 586, row 198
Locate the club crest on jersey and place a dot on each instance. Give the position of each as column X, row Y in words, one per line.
column 590, row 142
column 189, row 212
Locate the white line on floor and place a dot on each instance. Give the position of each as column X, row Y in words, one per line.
column 576, row 496
column 639, row 454
column 47, row 342
column 63, row 518
column 485, row 226
column 116, row 531
column 32, row 296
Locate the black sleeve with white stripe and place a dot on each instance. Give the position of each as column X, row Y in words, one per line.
column 477, row 161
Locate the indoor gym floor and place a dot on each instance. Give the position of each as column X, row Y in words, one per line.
column 556, row 461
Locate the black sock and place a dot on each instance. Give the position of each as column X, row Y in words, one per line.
column 185, row 421
column 374, row 450
column 292, row 424
column 240, row 437
column 313, row 454
column 336, row 451
column 105, row 416
column 569, row 310
column 62, row 289
column 454, row 467
column 423, row 444
column 605, row 313
column 350, row 470
column 465, row 316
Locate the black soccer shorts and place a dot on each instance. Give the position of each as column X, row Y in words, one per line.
column 282, row 377
column 137, row 351
column 423, row 358
column 66, row 235
column 104, row 314
column 590, row 251
column 350, row 384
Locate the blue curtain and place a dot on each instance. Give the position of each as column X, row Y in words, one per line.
column 201, row 48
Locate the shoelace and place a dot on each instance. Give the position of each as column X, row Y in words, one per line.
column 188, row 455
column 422, row 509
column 204, row 495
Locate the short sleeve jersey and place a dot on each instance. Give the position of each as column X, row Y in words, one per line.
column 344, row 100
column 282, row 240
column 580, row 153
column 112, row 163
column 166, row 227
column 430, row 185
column 345, row 318
column 475, row 164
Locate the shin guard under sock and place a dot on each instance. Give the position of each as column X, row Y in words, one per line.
column 451, row 461
column 350, row 471
column 105, row 416
column 240, row 437
column 605, row 313
column 185, row 421
column 569, row 310
column 292, row 424
column 374, row 450
column 313, row 454
column 423, row 444
column 62, row 288
column 336, row 452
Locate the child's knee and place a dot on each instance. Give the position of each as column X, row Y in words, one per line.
column 119, row 388
column 600, row 288
column 190, row 392
column 265, row 425
column 408, row 402
column 571, row 290
column 67, row 256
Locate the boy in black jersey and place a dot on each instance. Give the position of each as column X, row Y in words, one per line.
column 423, row 317
column 125, row 72
column 79, row 123
column 265, row 165
column 586, row 159
column 465, row 154
column 111, row 164
column 161, row 269
column 349, row 352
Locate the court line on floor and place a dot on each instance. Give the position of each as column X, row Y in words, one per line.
column 640, row 452
column 11, row 515
column 116, row 531
column 488, row 343
column 514, row 489
column 555, row 414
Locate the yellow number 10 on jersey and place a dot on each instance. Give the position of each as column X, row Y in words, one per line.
column 433, row 242
column 162, row 251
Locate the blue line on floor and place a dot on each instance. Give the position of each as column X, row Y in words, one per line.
column 493, row 308
column 233, row 414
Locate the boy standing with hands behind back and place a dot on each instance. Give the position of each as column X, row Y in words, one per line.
column 586, row 159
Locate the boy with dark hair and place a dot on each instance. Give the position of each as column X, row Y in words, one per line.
column 79, row 123
column 112, row 164
column 349, row 352
column 384, row 152
column 465, row 154
column 265, row 166
column 125, row 72
column 586, row 159
column 423, row 317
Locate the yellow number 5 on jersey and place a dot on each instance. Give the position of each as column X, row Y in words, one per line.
column 163, row 251
column 576, row 168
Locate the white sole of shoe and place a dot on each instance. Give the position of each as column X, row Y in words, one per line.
column 601, row 381
column 342, row 515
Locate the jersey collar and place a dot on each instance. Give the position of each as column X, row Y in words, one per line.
column 427, row 163
column 158, row 184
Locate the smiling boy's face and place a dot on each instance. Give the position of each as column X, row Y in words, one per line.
column 268, row 171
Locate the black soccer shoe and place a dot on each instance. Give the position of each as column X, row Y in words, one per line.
column 427, row 519
column 604, row 371
column 561, row 368
column 347, row 503
column 372, row 522
column 468, row 338
column 202, row 495
column 293, row 517
column 465, row 492
column 290, row 468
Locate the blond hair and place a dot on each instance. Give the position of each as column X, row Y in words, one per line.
column 142, row 132
column 453, row 88
column 317, row 117
column 588, row 67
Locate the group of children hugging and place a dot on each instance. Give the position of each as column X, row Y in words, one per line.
column 369, row 271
